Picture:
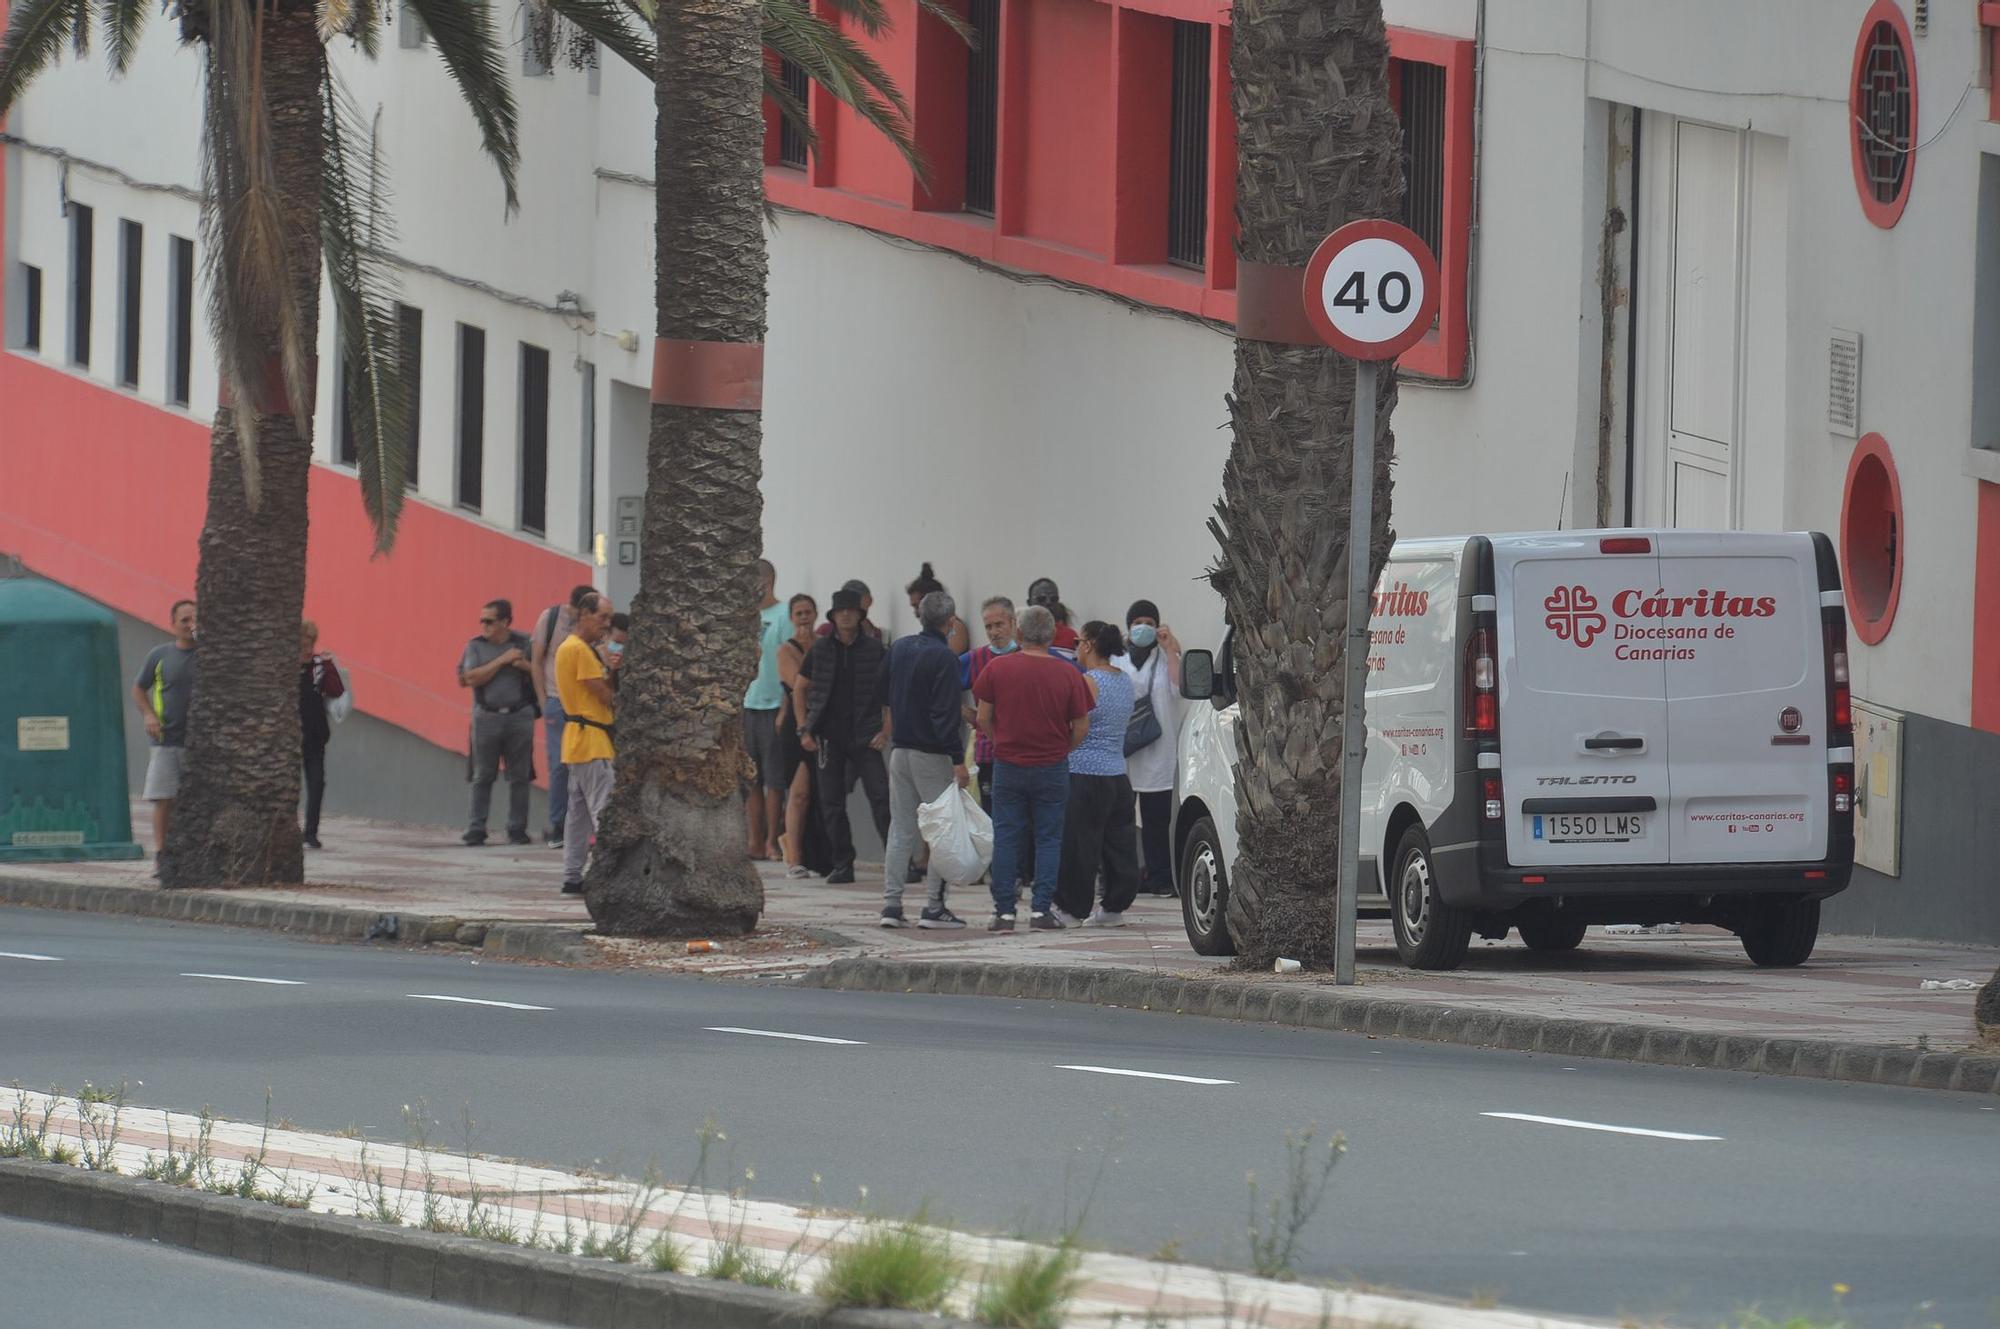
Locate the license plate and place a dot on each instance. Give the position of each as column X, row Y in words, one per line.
column 1589, row 827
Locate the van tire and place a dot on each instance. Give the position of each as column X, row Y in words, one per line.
column 1437, row 936
column 1558, row 933
column 1205, row 891
column 1780, row 933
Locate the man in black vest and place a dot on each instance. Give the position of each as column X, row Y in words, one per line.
column 844, row 726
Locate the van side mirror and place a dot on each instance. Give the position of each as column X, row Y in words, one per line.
column 1197, row 675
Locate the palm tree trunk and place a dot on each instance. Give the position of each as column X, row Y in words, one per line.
column 1317, row 146
column 669, row 857
column 236, row 819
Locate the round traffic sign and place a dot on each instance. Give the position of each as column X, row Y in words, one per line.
column 1371, row 290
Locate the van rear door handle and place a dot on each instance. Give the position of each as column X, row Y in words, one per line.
column 1619, row 743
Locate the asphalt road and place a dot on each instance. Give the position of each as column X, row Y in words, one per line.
column 58, row 1275
column 973, row 1106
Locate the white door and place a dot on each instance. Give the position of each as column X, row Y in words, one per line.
column 1583, row 718
column 1704, row 300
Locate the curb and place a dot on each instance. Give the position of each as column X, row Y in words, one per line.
column 515, row 941
column 1349, row 1012
column 458, row 1271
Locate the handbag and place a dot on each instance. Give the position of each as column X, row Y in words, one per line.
column 1143, row 729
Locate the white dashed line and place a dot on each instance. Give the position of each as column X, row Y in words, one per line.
column 1145, row 1075
column 245, row 978
column 774, row 1033
column 476, row 1001
column 27, row 955
column 1598, row 1126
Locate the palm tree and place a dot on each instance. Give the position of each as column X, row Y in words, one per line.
column 292, row 179
column 1317, row 146
column 669, row 857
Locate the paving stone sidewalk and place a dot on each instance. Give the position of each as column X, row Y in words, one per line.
column 1855, row 990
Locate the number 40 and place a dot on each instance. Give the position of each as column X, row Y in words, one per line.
column 1354, row 292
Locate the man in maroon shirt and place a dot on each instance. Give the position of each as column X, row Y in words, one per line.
column 1035, row 708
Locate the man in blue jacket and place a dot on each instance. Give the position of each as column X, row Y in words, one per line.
column 920, row 689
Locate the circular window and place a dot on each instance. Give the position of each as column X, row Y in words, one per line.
column 1882, row 106
column 1871, row 539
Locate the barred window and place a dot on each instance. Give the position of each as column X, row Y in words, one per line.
column 982, row 106
column 1187, row 170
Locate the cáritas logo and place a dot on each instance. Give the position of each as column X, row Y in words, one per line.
column 1574, row 615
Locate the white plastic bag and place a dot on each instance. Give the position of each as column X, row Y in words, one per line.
column 959, row 833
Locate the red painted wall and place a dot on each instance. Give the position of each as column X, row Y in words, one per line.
column 1067, row 154
column 868, row 162
column 1986, row 613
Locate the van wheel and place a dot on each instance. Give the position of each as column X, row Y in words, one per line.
column 1780, row 933
column 1205, row 892
column 1547, row 933
column 1429, row 933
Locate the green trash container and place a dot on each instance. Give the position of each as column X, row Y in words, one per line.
column 62, row 727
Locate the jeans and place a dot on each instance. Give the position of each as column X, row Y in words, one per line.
column 499, row 740
column 589, row 791
column 1021, row 793
column 1098, row 835
column 914, row 778
column 315, row 754
column 554, row 721
column 836, row 759
column 1156, row 811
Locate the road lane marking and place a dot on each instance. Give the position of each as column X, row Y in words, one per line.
column 1598, row 1126
column 245, row 978
column 1145, row 1075
column 477, row 1001
column 775, row 1033
column 26, row 955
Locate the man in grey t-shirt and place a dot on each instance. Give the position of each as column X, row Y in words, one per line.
column 497, row 667
column 161, row 692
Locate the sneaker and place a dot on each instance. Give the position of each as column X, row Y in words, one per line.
column 892, row 917
column 798, row 872
column 311, row 842
column 1001, row 923
column 572, row 888
column 841, row 876
column 519, row 837
column 1045, row 922
column 1064, row 917
column 939, row 917
column 473, row 838
column 553, row 839
column 1101, row 917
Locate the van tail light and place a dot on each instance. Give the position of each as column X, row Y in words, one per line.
column 1482, row 691
column 1489, row 793
column 1625, row 544
column 1839, row 700
column 1843, row 792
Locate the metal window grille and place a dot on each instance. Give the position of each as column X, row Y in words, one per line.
column 348, row 451
column 1883, row 104
column 1187, row 161
column 534, row 439
column 982, row 106
column 31, row 321
column 1843, row 383
column 82, row 243
column 792, row 137
column 410, row 350
column 1422, row 110
column 180, row 318
column 471, row 414
column 131, row 263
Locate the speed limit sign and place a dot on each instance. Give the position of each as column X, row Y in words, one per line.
column 1371, row 290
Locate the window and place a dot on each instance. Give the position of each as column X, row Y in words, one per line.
column 471, row 414
column 792, row 137
column 538, row 39
column 31, row 308
column 180, row 318
column 346, row 450
column 1882, row 114
column 410, row 30
column 982, row 106
column 82, row 225
column 587, row 436
column 1420, row 103
column 410, row 351
column 534, row 439
column 1187, row 164
column 131, row 255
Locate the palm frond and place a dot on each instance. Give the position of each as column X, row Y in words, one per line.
column 469, row 44
column 247, row 241
column 36, row 32
column 610, row 22
column 354, row 233
column 844, row 68
column 874, row 17
column 332, row 18
column 124, row 21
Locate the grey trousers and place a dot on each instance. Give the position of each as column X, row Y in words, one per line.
column 589, row 791
column 914, row 778
column 497, row 740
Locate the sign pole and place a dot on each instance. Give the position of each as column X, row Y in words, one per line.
column 1354, row 698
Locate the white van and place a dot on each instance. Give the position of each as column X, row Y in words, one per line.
column 1579, row 727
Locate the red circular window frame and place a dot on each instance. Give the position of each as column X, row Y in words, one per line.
column 1871, row 492
column 1884, row 215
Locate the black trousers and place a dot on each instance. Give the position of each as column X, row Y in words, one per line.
column 1098, row 836
column 837, row 761
column 315, row 753
column 1156, row 811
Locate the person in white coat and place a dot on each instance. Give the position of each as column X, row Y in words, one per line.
column 1152, row 660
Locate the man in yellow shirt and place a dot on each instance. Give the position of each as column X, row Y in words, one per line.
column 584, row 686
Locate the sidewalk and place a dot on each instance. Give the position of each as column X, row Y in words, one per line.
column 1855, row 991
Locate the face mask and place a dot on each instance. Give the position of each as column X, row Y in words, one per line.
column 1144, row 635
column 615, row 648
column 1007, row 649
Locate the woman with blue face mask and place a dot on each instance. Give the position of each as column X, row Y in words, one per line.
column 1152, row 660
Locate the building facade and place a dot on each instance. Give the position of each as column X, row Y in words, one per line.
column 1704, row 264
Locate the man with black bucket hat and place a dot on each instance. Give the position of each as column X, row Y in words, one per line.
column 844, row 725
